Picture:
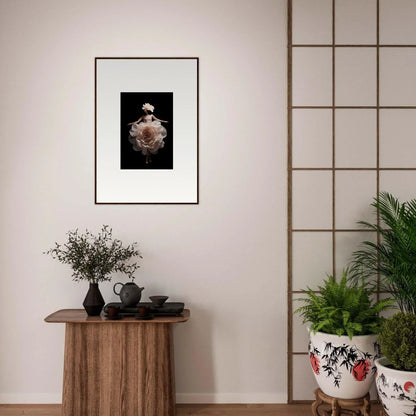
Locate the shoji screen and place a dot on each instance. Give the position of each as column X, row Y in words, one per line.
column 352, row 134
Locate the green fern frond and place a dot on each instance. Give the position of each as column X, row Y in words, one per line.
column 343, row 308
column 393, row 258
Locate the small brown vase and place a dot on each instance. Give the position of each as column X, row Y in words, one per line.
column 94, row 301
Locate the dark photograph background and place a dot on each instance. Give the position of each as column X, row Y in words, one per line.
column 131, row 110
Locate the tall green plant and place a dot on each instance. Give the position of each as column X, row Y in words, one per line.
column 393, row 258
column 343, row 308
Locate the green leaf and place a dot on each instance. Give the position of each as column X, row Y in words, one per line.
column 344, row 307
column 398, row 341
column 393, row 257
column 96, row 257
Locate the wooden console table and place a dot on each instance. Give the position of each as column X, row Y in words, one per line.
column 117, row 368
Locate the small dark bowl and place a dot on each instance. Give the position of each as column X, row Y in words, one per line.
column 158, row 301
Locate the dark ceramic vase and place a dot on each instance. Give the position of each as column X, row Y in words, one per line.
column 94, row 301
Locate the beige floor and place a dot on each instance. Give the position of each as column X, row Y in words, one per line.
column 187, row 410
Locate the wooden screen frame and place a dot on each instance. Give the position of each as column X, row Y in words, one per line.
column 333, row 168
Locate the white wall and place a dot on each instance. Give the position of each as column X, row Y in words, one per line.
column 226, row 257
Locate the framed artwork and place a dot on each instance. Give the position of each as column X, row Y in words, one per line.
column 146, row 130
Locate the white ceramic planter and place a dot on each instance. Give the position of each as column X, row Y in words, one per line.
column 396, row 389
column 342, row 367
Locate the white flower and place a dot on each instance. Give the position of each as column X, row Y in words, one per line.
column 149, row 107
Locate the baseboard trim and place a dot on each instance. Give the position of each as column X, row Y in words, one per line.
column 190, row 398
column 181, row 398
column 41, row 398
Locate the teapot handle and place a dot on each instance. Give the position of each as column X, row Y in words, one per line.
column 114, row 288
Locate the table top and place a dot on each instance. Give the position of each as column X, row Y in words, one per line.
column 79, row 316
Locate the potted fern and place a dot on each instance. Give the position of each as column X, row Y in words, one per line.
column 344, row 323
column 393, row 260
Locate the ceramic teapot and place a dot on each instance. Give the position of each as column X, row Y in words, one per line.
column 130, row 293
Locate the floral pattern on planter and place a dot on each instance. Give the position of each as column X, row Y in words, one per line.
column 333, row 359
column 396, row 391
column 361, row 369
column 315, row 363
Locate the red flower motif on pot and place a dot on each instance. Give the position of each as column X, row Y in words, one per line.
column 361, row 369
column 408, row 386
column 315, row 363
